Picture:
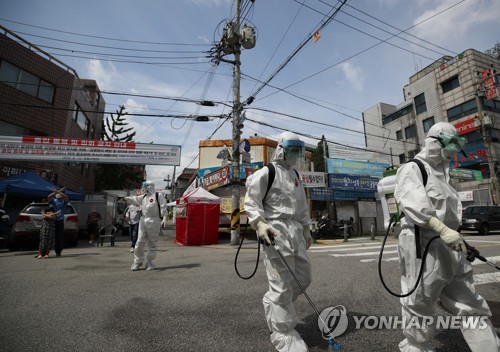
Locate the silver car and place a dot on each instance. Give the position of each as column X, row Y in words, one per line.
column 26, row 230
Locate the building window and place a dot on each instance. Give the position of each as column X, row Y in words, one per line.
column 428, row 123
column 474, row 137
column 399, row 135
column 26, row 82
column 81, row 119
column 410, row 132
column 397, row 114
column 420, row 105
column 450, row 84
column 412, row 153
column 459, row 111
column 402, row 158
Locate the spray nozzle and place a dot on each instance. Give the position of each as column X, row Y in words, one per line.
column 333, row 346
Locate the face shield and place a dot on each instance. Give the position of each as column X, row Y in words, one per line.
column 294, row 152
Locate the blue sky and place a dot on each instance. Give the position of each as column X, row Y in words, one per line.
column 357, row 62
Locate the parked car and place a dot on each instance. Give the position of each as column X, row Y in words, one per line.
column 5, row 227
column 481, row 218
column 26, row 230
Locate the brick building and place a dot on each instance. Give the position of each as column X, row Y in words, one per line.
column 42, row 96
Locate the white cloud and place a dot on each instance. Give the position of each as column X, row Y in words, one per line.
column 103, row 76
column 354, row 75
column 457, row 21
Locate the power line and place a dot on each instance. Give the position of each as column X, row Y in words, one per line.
column 363, row 51
column 100, row 37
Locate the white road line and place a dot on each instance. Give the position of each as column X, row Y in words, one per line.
column 340, row 249
column 483, row 241
column 486, row 278
column 371, row 260
column 359, row 254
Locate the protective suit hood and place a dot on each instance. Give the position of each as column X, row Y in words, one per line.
column 148, row 187
column 433, row 151
column 282, row 155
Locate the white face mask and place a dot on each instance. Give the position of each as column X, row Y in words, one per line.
column 447, row 154
column 58, row 196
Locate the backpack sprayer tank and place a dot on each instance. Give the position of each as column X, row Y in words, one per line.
column 385, row 189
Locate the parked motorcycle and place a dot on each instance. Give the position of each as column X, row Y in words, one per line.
column 326, row 227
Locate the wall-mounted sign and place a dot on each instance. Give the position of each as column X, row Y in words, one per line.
column 357, row 168
column 348, row 182
column 466, row 196
column 330, row 195
column 216, row 179
column 466, row 174
column 475, row 154
column 468, row 125
column 312, row 179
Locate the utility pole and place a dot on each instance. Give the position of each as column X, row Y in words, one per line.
column 231, row 42
column 235, row 194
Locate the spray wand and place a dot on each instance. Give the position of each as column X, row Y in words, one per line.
column 473, row 253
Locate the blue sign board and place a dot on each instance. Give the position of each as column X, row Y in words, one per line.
column 475, row 154
column 353, row 183
column 355, row 167
column 330, row 195
column 244, row 169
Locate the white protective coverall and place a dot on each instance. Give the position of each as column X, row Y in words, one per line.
column 149, row 224
column 286, row 209
column 447, row 274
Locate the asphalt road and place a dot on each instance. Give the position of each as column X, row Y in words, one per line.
column 90, row 300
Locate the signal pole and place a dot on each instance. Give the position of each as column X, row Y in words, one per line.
column 235, row 194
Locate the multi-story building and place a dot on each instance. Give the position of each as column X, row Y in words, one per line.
column 42, row 96
column 462, row 90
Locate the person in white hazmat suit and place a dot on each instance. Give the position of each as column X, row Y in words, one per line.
column 283, row 213
column 153, row 209
column 436, row 210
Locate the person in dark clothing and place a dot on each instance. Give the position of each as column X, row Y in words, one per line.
column 92, row 224
column 47, row 233
column 58, row 199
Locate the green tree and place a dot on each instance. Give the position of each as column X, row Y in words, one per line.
column 118, row 176
column 318, row 156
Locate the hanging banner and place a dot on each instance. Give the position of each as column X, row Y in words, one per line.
column 77, row 150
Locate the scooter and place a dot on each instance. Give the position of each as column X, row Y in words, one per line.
column 327, row 227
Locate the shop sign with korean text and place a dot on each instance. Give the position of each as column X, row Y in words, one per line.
column 352, row 183
column 312, row 179
column 216, row 179
column 355, row 167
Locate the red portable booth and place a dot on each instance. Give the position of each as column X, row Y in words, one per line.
column 197, row 218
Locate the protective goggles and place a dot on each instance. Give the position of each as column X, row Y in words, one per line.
column 452, row 142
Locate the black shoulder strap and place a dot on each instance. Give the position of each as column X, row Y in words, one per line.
column 418, row 245
column 158, row 203
column 422, row 170
column 272, row 175
column 270, row 180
